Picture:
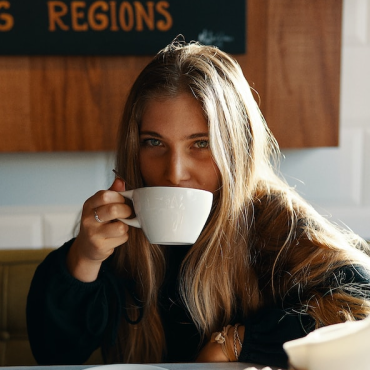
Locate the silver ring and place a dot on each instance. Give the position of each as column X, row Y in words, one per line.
column 97, row 217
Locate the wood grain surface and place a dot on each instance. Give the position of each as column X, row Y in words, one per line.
column 69, row 103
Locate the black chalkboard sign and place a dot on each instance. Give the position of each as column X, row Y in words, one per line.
column 40, row 27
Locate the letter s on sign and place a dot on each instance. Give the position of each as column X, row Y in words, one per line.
column 6, row 20
column 161, row 7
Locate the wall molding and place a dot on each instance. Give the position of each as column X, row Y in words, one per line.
column 34, row 227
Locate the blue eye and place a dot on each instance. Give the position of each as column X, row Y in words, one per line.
column 202, row 144
column 152, row 142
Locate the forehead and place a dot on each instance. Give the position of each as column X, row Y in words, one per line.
column 182, row 111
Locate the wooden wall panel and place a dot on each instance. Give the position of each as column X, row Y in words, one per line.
column 303, row 71
column 15, row 124
column 65, row 103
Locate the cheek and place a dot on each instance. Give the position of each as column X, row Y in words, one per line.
column 217, row 181
column 144, row 168
column 148, row 169
column 212, row 178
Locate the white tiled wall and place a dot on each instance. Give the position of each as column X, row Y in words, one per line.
column 41, row 194
column 37, row 227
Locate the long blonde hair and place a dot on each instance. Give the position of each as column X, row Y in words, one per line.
column 262, row 243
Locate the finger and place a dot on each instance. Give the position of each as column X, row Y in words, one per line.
column 100, row 244
column 101, row 198
column 118, row 185
column 112, row 211
column 116, row 230
column 104, row 235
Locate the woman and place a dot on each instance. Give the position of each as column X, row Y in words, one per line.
column 266, row 268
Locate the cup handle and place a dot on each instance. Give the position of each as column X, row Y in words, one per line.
column 129, row 221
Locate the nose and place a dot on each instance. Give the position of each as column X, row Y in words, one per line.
column 177, row 168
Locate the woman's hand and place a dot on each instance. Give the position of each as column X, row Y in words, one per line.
column 96, row 240
column 216, row 352
column 212, row 352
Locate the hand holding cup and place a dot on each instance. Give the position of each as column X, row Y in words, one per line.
column 100, row 232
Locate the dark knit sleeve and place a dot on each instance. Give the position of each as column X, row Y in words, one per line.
column 66, row 318
column 353, row 279
column 265, row 333
column 267, row 330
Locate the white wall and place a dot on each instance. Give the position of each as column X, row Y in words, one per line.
column 41, row 194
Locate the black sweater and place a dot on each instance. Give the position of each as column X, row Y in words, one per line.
column 68, row 319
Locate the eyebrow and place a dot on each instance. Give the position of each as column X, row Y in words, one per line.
column 192, row 136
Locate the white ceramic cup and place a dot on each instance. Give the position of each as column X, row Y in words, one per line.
column 169, row 215
column 343, row 346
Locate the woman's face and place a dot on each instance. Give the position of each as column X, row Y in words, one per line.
column 174, row 145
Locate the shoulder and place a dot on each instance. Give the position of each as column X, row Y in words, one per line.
column 278, row 215
column 279, row 205
column 352, row 274
column 351, row 279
